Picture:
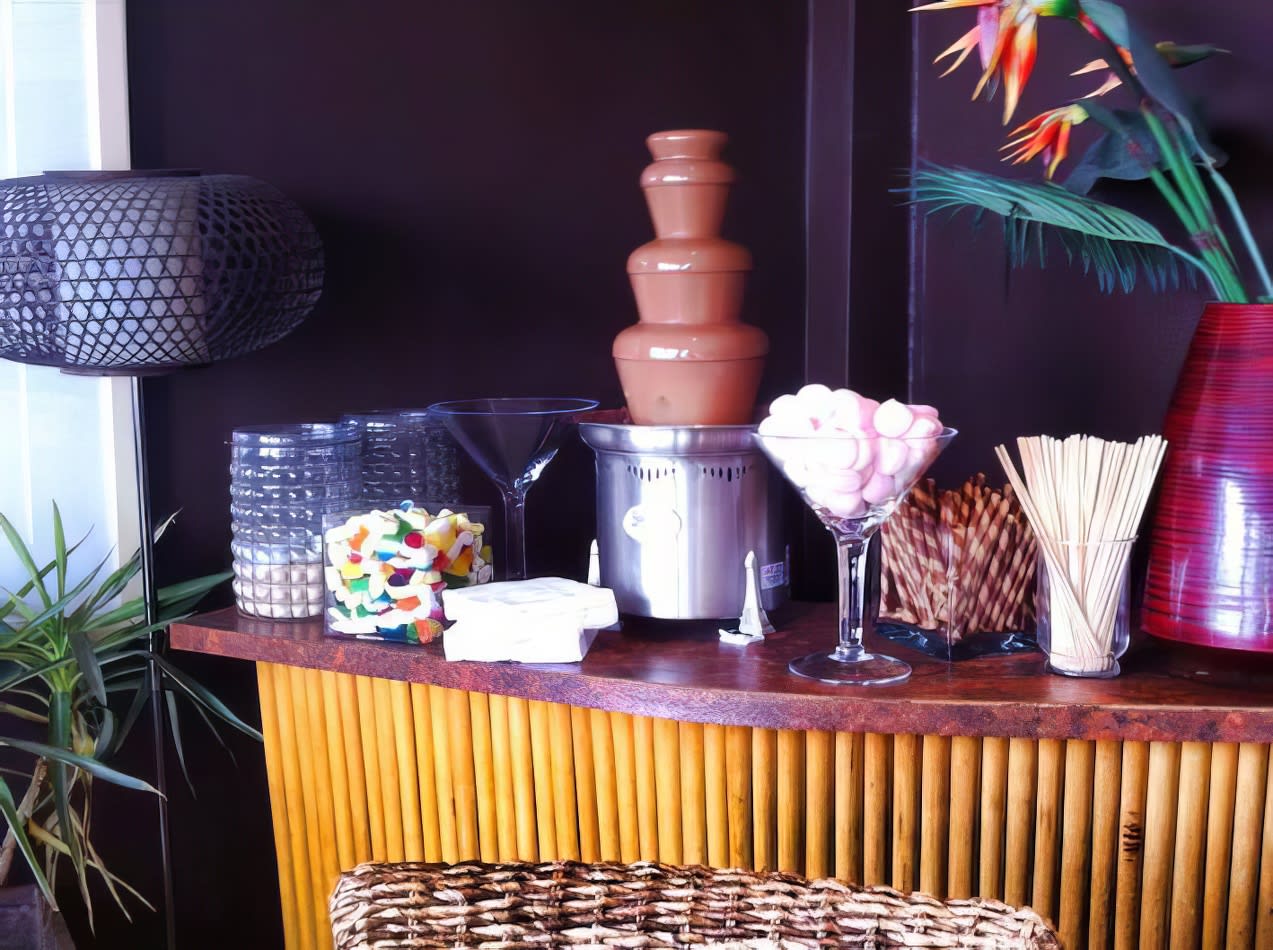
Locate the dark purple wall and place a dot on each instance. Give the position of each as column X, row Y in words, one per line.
column 1006, row 353
column 472, row 168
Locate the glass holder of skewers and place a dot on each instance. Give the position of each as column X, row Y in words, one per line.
column 1085, row 497
column 958, row 572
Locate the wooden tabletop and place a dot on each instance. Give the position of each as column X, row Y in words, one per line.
column 682, row 671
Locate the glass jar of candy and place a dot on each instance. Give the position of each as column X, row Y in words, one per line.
column 384, row 569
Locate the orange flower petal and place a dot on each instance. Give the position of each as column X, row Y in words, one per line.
column 1094, row 66
column 1062, row 148
column 953, row 4
column 1018, row 65
column 963, row 46
column 1111, row 82
column 1007, row 27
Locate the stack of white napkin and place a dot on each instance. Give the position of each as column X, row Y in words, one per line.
column 543, row 620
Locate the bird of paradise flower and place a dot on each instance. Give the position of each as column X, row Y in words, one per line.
column 1160, row 140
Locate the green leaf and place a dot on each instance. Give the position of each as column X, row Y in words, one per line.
column 24, row 556
column 9, row 809
column 1153, row 71
column 59, row 550
column 111, row 587
column 169, row 595
column 174, row 723
column 59, row 776
column 1177, row 55
column 24, row 673
column 89, row 765
column 135, row 709
column 200, row 694
column 89, row 668
column 1114, row 244
column 1127, row 151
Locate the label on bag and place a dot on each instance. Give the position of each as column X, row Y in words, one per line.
column 773, row 575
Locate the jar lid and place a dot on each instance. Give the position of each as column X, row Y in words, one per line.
column 295, row 434
column 689, row 255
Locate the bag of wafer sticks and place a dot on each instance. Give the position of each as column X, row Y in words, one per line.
column 957, row 572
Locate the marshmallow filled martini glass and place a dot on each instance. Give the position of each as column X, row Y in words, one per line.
column 853, row 480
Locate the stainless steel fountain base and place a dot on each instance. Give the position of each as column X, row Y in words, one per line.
column 678, row 508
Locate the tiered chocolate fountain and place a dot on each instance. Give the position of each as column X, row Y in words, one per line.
column 683, row 492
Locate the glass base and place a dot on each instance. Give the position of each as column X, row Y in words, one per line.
column 1104, row 674
column 851, row 668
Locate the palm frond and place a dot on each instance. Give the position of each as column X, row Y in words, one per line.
column 1114, row 244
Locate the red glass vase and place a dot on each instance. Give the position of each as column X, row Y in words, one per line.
column 1210, row 578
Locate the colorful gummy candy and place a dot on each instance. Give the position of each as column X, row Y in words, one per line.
column 385, row 570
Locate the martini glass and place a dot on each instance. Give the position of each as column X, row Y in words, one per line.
column 511, row 440
column 853, row 484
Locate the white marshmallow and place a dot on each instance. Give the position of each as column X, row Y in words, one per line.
column 815, row 400
column 796, row 471
column 892, row 419
column 786, row 425
column 787, row 405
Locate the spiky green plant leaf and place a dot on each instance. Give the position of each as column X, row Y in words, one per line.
column 1114, row 244
column 9, row 808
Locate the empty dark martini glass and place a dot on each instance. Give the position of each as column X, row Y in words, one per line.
column 511, row 439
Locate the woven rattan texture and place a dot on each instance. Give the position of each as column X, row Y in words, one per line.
column 146, row 274
column 568, row 904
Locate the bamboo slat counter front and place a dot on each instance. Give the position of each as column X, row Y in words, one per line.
column 1133, row 812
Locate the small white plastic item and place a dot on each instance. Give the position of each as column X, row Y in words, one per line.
column 541, row 620
column 754, row 621
column 594, row 565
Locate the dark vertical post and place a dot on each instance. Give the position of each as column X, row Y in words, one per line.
column 858, row 148
column 150, row 595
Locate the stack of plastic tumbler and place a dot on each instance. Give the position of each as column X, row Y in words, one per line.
column 407, row 455
column 283, row 479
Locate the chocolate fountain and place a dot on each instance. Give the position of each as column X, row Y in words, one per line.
column 683, row 492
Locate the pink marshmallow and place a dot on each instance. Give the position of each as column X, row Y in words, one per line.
column 892, row 419
column 836, row 479
column 919, row 409
column 839, row 504
column 923, row 427
column 852, row 413
column 879, row 489
column 919, row 456
column 890, row 457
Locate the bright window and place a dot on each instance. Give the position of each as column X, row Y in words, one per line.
column 63, row 105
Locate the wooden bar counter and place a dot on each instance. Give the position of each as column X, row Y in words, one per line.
column 1134, row 812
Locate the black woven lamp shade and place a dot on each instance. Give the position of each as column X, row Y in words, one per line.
column 133, row 272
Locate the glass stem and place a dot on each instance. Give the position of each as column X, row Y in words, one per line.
column 514, row 535
column 851, row 553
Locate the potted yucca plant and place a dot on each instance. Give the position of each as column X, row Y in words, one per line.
column 1209, row 559
column 73, row 682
